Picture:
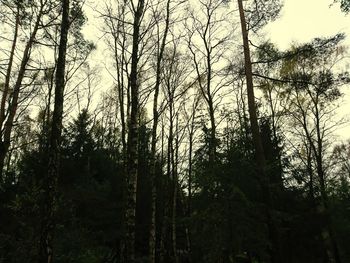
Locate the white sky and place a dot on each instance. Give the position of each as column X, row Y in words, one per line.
column 303, row 20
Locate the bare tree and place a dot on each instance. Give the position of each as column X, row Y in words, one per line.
column 312, row 93
column 206, row 40
column 7, row 115
column 161, row 43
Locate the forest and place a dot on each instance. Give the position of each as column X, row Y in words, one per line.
column 183, row 135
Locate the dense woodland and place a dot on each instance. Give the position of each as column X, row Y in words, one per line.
column 210, row 145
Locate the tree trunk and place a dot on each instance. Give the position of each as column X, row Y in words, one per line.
column 174, row 162
column 51, row 181
column 132, row 165
column 191, row 131
column 258, row 146
column 9, row 70
column 310, row 172
column 279, row 183
column 189, row 189
column 12, row 109
column 152, row 235
column 212, row 140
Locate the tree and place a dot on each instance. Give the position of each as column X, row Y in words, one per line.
column 132, row 144
column 313, row 91
column 206, row 42
column 344, row 5
column 258, row 146
column 161, row 43
column 51, row 180
column 38, row 12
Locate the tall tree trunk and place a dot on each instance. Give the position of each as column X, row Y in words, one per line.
column 310, row 172
column 120, row 67
column 212, row 140
column 132, row 166
column 189, row 189
column 259, row 151
column 12, row 109
column 163, row 230
column 166, row 206
column 279, row 164
column 191, row 131
column 51, row 180
column 9, row 69
column 152, row 235
column 174, row 161
column 171, row 171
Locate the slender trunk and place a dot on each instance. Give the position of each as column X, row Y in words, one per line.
column 119, row 62
column 164, row 221
column 132, row 167
column 311, row 174
column 167, row 185
column 124, row 115
column 212, row 140
column 152, row 234
column 174, row 160
column 120, row 87
column 171, row 172
column 163, row 236
column 3, row 152
column 9, row 70
column 258, row 146
column 280, row 184
column 12, row 109
column 51, row 181
column 189, row 182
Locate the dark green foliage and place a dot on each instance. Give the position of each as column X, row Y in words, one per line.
column 344, row 5
column 260, row 12
column 226, row 208
column 89, row 202
column 227, row 220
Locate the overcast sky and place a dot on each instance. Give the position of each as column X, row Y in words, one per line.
column 299, row 21
column 303, row 20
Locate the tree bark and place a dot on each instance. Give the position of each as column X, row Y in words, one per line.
column 132, row 165
column 258, row 146
column 152, row 235
column 174, row 163
column 51, row 180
